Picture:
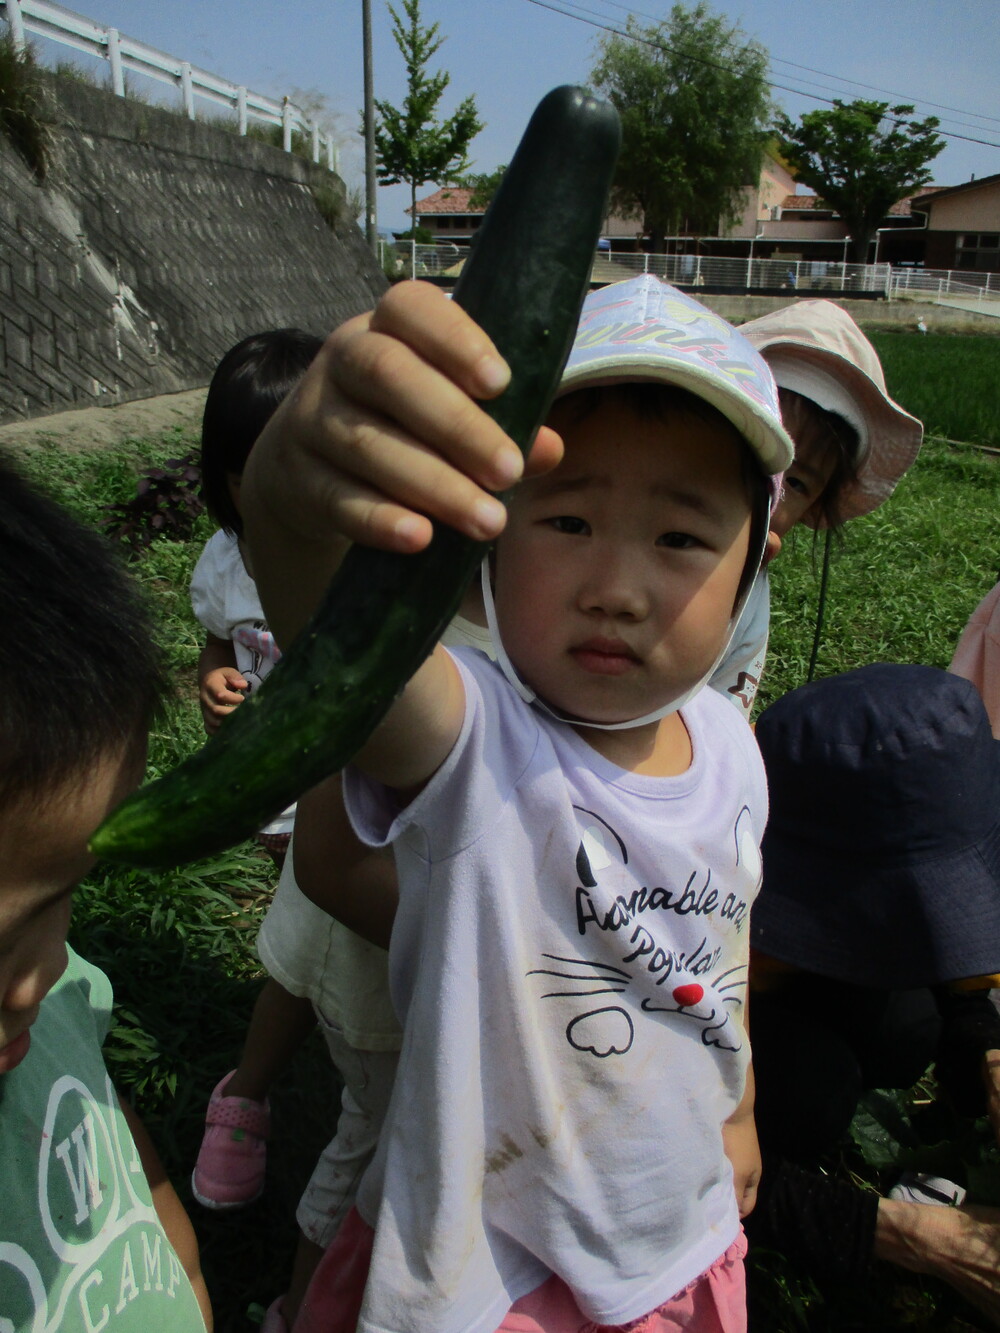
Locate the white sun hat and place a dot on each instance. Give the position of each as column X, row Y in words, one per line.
column 815, row 348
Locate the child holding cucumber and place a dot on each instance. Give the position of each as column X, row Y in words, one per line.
column 576, row 832
column 91, row 1229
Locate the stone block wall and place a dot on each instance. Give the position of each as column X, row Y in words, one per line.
column 153, row 245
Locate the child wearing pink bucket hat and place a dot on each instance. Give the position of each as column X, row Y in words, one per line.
column 853, row 443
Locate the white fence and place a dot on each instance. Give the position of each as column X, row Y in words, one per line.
column 923, row 282
column 122, row 53
column 686, row 270
column 737, row 274
column 751, row 273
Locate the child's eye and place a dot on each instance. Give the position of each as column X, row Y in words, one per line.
column 793, row 483
column 568, row 523
column 678, row 541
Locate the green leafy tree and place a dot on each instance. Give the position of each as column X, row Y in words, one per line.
column 861, row 158
column 693, row 96
column 483, row 184
column 411, row 145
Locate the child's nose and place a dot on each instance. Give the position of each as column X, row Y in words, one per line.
column 614, row 586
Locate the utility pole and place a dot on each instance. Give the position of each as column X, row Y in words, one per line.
column 371, row 219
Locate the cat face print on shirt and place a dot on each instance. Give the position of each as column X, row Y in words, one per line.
column 640, row 950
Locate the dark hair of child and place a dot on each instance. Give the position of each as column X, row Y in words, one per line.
column 249, row 383
column 808, row 423
column 80, row 674
column 650, row 400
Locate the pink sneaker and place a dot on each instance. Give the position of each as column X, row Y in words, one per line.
column 229, row 1172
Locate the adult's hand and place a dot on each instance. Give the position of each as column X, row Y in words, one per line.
column 959, row 1245
column 991, row 1081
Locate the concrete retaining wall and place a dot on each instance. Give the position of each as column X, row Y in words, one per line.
column 152, row 246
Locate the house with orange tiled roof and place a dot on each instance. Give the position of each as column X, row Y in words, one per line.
column 778, row 221
column 449, row 216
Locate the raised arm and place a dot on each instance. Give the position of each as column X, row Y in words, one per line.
column 383, row 433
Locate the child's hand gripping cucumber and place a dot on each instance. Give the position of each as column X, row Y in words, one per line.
column 383, row 612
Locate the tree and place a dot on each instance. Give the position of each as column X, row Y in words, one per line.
column 411, row 145
column 483, row 184
column 861, row 158
column 694, row 101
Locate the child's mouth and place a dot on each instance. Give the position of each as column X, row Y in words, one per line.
column 14, row 1052
column 604, row 657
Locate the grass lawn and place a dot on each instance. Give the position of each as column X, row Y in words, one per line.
column 903, row 581
column 179, row 947
column 949, row 381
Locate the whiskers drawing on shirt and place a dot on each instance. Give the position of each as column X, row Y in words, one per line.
column 692, row 1000
column 684, row 981
column 615, row 979
column 601, row 1032
column 609, row 1030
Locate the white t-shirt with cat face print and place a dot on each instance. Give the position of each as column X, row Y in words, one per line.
column 570, row 960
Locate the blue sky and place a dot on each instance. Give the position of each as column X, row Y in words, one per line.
column 510, row 52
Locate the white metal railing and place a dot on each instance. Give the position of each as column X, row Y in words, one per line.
column 681, row 270
column 122, row 53
column 945, row 282
column 739, row 274
column 752, row 273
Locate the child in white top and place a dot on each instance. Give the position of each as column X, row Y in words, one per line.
column 569, row 956
column 248, row 384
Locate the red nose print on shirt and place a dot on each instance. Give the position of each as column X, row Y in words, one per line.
column 687, row 995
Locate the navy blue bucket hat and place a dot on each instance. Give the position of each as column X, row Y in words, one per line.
column 882, row 850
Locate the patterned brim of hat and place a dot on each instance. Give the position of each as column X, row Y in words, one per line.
column 816, row 349
column 882, row 849
column 644, row 329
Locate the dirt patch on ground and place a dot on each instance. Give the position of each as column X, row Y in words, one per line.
column 99, row 427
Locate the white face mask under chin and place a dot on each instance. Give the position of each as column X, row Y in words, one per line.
column 530, row 697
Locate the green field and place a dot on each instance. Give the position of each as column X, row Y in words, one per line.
column 903, row 580
column 951, row 382
column 179, row 948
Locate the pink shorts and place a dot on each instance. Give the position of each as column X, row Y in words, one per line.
column 715, row 1302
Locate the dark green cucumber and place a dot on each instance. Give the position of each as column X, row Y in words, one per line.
column 524, row 283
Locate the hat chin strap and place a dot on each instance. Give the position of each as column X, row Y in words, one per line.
column 530, row 697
